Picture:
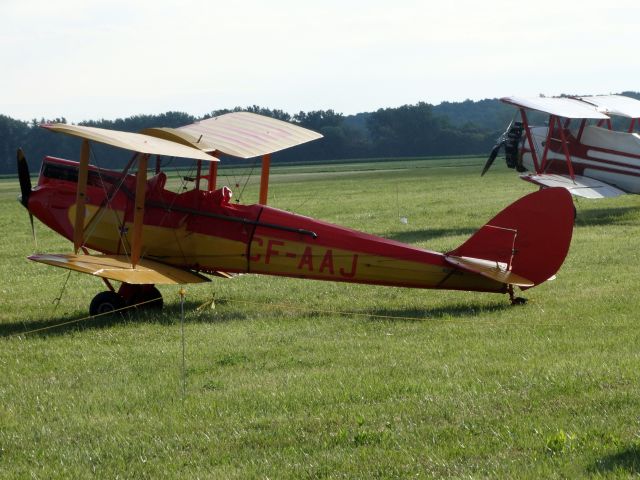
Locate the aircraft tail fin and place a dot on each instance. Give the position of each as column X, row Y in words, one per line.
column 525, row 244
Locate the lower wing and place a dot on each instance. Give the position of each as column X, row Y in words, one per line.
column 118, row 267
column 580, row 186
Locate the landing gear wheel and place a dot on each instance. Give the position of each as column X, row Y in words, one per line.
column 151, row 299
column 142, row 297
column 106, row 302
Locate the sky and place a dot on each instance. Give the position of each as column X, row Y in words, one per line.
column 90, row 60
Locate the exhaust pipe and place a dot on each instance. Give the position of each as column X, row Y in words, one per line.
column 25, row 179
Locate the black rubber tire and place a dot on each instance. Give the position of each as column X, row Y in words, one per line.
column 105, row 302
column 153, row 297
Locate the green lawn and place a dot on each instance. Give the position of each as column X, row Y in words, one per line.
column 296, row 379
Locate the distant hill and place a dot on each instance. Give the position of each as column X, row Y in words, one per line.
column 489, row 114
column 635, row 95
column 449, row 128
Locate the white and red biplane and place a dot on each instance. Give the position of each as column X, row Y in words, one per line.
column 578, row 149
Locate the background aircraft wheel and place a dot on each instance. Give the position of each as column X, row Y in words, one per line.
column 105, row 302
column 153, row 298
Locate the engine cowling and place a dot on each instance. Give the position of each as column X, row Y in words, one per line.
column 512, row 142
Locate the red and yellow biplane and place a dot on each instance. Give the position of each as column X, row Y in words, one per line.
column 128, row 227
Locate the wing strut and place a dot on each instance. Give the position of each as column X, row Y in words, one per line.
column 552, row 124
column 264, row 179
column 213, row 174
column 565, row 149
column 81, row 193
column 527, row 130
column 138, row 215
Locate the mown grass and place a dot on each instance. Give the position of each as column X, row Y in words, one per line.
column 299, row 379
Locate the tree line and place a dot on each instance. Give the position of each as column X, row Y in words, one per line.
column 422, row 129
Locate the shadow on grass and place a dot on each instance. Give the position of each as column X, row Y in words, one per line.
column 448, row 311
column 607, row 216
column 169, row 315
column 429, row 234
column 406, row 314
column 627, row 461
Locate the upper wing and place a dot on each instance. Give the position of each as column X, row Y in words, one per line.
column 580, row 186
column 615, row 105
column 560, row 106
column 118, row 267
column 239, row 134
column 135, row 142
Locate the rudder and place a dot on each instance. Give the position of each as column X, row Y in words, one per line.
column 530, row 237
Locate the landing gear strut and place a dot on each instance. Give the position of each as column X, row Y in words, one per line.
column 143, row 297
column 515, row 300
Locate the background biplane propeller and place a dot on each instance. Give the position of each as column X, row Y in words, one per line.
column 500, row 142
column 492, row 156
column 510, row 141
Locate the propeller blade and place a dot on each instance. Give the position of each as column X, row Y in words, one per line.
column 24, row 177
column 492, row 157
column 33, row 230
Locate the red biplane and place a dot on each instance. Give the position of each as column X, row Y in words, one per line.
column 144, row 234
column 579, row 150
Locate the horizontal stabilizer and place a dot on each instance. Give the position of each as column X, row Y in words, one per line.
column 118, row 267
column 221, row 274
column 580, row 186
column 494, row 270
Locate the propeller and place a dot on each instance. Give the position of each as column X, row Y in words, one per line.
column 492, row 156
column 500, row 142
column 24, row 178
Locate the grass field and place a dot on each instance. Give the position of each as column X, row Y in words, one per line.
column 300, row 379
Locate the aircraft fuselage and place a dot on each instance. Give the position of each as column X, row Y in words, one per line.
column 609, row 156
column 202, row 231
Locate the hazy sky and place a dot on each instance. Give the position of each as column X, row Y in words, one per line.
column 85, row 59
